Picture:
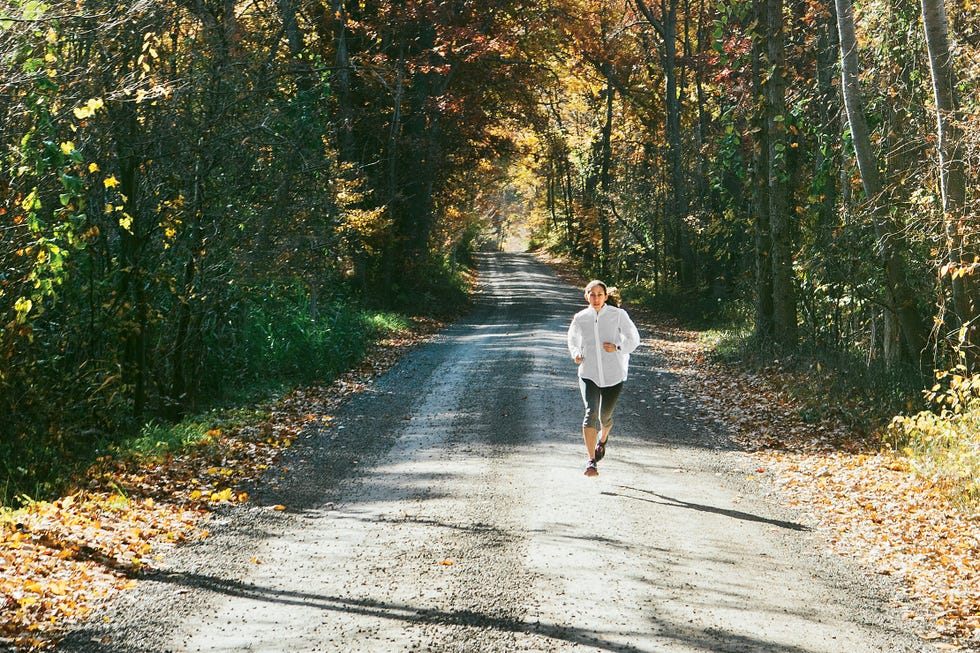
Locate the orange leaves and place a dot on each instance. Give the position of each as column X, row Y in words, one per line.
column 61, row 558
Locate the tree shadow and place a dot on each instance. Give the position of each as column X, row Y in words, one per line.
column 734, row 514
column 666, row 634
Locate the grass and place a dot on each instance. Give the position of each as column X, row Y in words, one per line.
column 156, row 440
column 286, row 347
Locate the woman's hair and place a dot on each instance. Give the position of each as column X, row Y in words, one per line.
column 612, row 294
column 592, row 284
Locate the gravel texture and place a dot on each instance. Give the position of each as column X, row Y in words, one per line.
column 445, row 509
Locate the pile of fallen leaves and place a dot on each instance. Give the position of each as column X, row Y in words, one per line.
column 870, row 502
column 59, row 560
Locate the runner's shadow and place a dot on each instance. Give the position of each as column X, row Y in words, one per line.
column 735, row 514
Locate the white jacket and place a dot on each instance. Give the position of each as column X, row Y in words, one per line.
column 586, row 334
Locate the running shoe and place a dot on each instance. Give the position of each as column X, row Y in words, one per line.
column 591, row 470
column 600, row 450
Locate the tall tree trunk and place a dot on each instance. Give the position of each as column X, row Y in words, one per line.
column 666, row 27
column 604, row 176
column 597, row 179
column 901, row 299
column 952, row 173
column 783, row 282
column 828, row 110
column 760, row 202
column 132, row 281
column 340, row 83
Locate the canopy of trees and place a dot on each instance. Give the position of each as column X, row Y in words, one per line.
column 179, row 175
column 810, row 159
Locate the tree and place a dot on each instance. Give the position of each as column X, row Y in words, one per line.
column 665, row 25
column 783, row 278
column 901, row 300
column 952, row 166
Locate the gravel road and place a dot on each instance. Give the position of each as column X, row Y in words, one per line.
column 445, row 509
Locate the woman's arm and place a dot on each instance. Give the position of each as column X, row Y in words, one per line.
column 575, row 342
column 629, row 335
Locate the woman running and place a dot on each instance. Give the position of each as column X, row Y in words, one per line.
column 600, row 340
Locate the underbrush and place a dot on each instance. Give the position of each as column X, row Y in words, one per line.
column 697, row 310
column 283, row 348
column 842, row 385
column 938, row 433
column 943, row 443
column 157, row 440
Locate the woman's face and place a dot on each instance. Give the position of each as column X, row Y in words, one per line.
column 596, row 297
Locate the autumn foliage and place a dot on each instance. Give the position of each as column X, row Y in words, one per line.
column 206, row 201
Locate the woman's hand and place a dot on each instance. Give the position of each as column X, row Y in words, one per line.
column 609, row 346
column 578, row 359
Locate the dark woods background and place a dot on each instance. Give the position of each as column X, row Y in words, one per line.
column 204, row 198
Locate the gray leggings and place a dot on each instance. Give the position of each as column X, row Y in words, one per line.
column 599, row 403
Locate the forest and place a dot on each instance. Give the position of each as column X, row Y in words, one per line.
column 201, row 199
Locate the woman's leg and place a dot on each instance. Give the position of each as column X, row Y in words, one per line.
column 607, row 403
column 591, row 397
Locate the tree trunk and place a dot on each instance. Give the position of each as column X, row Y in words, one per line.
column 828, row 109
column 604, row 177
column 900, row 297
column 666, row 28
column 340, row 83
column 952, row 172
column 760, row 201
column 783, row 283
column 132, row 280
column 597, row 179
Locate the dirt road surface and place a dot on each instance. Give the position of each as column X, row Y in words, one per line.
column 445, row 509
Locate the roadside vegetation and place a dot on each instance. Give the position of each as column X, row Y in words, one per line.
column 282, row 347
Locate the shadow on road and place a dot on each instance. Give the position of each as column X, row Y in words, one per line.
column 735, row 514
column 717, row 640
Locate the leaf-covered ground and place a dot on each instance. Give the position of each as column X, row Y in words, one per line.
column 60, row 560
column 871, row 505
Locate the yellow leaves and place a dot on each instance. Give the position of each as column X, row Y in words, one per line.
column 23, row 306
column 88, row 109
column 222, row 496
column 228, row 495
column 45, row 576
column 27, row 601
column 149, row 52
